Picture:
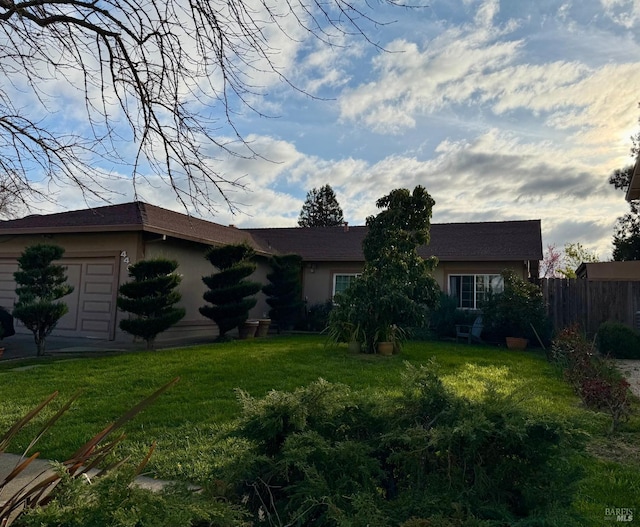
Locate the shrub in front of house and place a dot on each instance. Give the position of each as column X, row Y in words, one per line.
column 595, row 379
column 316, row 317
column 324, row 455
column 518, row 311
column 230, row 295
column 150, row 296
column 41, row 284
column 618, row 340
column 284, row 290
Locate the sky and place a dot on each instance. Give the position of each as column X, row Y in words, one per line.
column 502, row 110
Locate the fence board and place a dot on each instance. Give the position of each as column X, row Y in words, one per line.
column 590, row 303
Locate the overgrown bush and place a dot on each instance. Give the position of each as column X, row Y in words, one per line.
column 444, row 318
column 518, row 311
column 323, row 455
column 316, row 317
column 618, row 341
column 595, row 380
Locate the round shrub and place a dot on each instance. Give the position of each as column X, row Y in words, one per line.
column 619, row 341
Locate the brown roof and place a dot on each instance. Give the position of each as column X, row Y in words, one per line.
column 481, row 241
column 135, row 216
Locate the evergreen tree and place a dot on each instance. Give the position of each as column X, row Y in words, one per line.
column 626, row 236
column 284, row 290
column 151, row 296
column 396, row 288
column 229, row 292
column 321, row 209
column 40, row 286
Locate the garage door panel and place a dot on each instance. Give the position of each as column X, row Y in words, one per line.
column 92, row 309
column 69, row 321
column 100, row 270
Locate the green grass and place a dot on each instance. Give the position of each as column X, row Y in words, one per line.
column 185, row 420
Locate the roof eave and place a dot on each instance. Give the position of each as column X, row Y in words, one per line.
column 633, row 192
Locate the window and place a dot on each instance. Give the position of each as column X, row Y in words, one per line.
column 472, row 289
column 343, row 281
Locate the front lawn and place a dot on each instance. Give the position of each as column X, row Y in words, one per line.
column 185, row 420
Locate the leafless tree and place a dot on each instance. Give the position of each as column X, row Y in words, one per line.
column 172, row 71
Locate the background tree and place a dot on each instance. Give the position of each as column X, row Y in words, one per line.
column 151, row 297
column 168, row 71
column 396, row 289
column 40, row 286
column 574, row 255
column 626, row 234
column 321, row 209
column 626, row 237
column 556, row 264
column 229, row 291
column 284, row 290
column 551, row 262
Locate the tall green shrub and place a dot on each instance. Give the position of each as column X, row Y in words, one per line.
column 517, row 310
column 230, row 294
column 151, row 296
column 40, row 286
column 284, row 292
column 396, row 288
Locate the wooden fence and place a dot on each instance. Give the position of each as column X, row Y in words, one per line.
column 591, row 303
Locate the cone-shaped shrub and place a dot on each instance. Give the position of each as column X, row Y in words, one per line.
column 41, row 283
column 284, row 290
column 230, row 294
column 151, row 296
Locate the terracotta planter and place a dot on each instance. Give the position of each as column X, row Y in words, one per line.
column 516, row 343
column 385, row 348
column 263, row 327
column 355, row 346
column 248, row 330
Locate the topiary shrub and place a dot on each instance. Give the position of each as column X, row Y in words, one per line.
column 229, row 291
column 284, row 290
column 618, row 341
column 40, row 286
column 151, row 296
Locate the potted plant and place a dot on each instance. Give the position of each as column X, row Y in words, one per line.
column 517, row 313
column 389, row 339
column 340, row 330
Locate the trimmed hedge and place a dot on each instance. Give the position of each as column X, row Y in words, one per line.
column 618, row 341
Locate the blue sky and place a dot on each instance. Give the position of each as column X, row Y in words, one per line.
column 503, row 110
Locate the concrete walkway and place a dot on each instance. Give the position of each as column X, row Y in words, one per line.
column 40, row 468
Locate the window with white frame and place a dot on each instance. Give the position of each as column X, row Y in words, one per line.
column 472, row 289
column 342, row 281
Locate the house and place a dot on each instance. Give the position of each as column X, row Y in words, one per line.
column 101, row 242
column 633, row 192
column 610, row 271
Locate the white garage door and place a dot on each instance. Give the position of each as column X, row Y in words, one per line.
column 92, row 304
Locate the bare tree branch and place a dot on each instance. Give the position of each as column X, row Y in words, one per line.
column 173, row 71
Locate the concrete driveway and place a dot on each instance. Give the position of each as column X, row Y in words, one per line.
column 22, row 346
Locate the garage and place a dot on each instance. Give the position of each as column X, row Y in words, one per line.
column 92, row 304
